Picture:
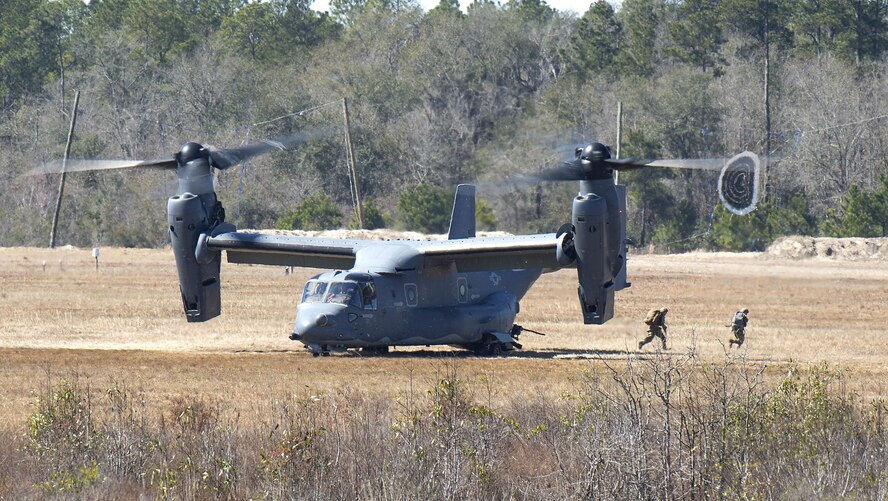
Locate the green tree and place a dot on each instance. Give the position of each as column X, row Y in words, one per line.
column 855, row 30
column 638, row 54
column 251, row 31
column 760, row 20
column 532, row 11
column 861, row 214
column 677, row 234
column 697, row 36
column 161, row 27
column 867, row 36
column 817, row 24
column 446, row 7
column 596, row 42
column 484, row 216
column 104, row 16
column 205, row 17
column 347, row 12
column 651, row 199
column 757, row 230
column 302, row 27
column 62, row 20
column 32, row 39
column 425, row 208
column 372, row 215
column 764, row 23
column 316, row 212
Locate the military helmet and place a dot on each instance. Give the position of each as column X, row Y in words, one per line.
column 664, row 309
column 744, row 310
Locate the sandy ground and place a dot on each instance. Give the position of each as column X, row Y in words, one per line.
column 59, row 315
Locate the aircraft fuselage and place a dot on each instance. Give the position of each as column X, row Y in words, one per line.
column 366, row 308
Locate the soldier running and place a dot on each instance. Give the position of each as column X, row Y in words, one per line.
column 656, row 322
column 738, row 327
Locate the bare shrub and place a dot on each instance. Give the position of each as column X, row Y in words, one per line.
column 62, row 439
column 661, row 427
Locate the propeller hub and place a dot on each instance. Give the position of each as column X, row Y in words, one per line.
column 191, row 151
column 594, row 152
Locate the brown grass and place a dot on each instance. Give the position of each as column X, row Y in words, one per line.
column 125, row 322
column 110, row 393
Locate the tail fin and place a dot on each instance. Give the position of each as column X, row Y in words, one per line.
column 462, row 220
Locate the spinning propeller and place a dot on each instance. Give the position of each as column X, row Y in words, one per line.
column 737, row 185
column 221, row 159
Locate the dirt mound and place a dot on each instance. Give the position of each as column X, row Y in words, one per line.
column 839, row 249
column 381, row 234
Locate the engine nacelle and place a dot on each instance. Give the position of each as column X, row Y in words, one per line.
column 596, row 287
column 597, row 242
column 199, row 284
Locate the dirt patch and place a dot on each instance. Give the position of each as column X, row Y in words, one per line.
column 839, row 249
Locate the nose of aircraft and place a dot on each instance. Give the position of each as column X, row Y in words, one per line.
column 315, row 322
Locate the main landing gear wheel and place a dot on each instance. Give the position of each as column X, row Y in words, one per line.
column 490, row 346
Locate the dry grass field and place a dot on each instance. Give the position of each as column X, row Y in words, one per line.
column 233, row 389
column 125, row 321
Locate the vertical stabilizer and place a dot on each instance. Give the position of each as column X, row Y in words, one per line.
column 462, row 220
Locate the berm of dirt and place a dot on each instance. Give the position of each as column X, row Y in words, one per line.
column 839, row 249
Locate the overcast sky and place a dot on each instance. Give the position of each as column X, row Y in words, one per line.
column 577, row 6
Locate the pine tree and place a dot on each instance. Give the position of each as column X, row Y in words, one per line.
column 638, row 54
column 697, row 34
column 596, row 42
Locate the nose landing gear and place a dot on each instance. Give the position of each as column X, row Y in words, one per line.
column 318, row 350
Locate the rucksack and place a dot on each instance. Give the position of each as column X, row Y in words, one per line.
column 652, row 317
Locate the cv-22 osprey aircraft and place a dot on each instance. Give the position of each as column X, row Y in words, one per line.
column 464, row 291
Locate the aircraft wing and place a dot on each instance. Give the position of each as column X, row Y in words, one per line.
column 287, row 250
column 469, row 254
column 496, row 253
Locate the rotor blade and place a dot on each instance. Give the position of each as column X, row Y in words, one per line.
column 571, row 171
column 56, row 166
column 225, row 158
column 627, row 164
column 566, row 171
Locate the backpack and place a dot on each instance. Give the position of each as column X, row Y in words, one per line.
column 738, row 319
column 652, row 317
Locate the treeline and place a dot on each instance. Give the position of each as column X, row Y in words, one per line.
column 442, row 97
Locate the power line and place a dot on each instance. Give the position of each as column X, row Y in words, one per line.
column 243, row 127
column 293, row 114
column 865, row 120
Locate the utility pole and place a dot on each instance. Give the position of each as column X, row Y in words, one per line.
column 55, row 218
column 352, row 168
column 767, row 50
column 619, row 137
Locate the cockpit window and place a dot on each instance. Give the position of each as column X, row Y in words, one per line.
column 368, row 295
column 357, row 294
column 344, row 293
column 314, row 291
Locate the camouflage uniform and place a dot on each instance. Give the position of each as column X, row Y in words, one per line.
column 657, row 328
column 738, row 327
